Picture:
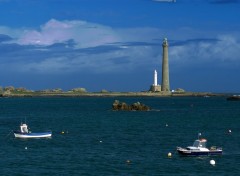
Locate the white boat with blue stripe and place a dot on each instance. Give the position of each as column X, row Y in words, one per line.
column 25, row 133
column 199, row 149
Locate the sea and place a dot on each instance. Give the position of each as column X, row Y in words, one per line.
column 90, row 139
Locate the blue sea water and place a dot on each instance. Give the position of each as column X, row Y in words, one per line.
column 99, row 141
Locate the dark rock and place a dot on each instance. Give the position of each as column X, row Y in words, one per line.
column 117, row 105
column 234, row 98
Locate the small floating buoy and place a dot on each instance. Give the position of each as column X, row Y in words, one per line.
column 25, row 148
column 62, row 132
column 229, row 131
column 128, row 161
column 100, row 141
column 166, row 125
column 212, row 162
column 169, row 155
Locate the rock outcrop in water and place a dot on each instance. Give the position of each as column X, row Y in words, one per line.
column 234, row 98
column 117, row 105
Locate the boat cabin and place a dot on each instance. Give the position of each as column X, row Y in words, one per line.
column 24, row 128
column 200, row 143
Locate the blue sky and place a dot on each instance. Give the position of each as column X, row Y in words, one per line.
column 116, row 44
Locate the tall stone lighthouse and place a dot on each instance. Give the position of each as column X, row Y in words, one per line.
column 165, row 69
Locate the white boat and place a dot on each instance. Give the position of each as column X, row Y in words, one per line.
column 25, row 133
column 199, row 149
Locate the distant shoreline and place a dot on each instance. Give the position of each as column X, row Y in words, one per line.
column 113, row 94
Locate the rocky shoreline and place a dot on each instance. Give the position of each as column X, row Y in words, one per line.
column 111, row 94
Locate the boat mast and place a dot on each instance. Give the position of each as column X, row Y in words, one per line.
column 199, row 134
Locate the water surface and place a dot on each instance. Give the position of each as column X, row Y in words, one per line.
column 99, row 141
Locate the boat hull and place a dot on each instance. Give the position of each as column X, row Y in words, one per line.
column 184, row 152
column 33, row 135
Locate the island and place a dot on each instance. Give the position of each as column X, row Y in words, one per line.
column 10, row 91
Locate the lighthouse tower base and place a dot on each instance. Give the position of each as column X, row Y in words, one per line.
column 155, row 88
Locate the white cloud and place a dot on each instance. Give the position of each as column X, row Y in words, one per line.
column 120, row 60
column 228, row 48
column 85, row 34
column 126, row 56
column 224, row 48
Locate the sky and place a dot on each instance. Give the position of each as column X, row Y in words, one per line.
column 117, row 44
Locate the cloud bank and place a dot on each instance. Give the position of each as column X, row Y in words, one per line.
column 79, row 45
column 83, row 33
column 222, row 49
column 80, row 48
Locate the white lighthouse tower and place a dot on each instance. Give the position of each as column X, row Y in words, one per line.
column 155, row 87
column 155, row 78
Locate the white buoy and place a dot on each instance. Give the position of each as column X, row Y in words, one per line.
column 100, row 141
column 128, row 161
column 25, row 148
column 229, row 131
column 212, row 162
column 166, row 125
column 169, row 155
